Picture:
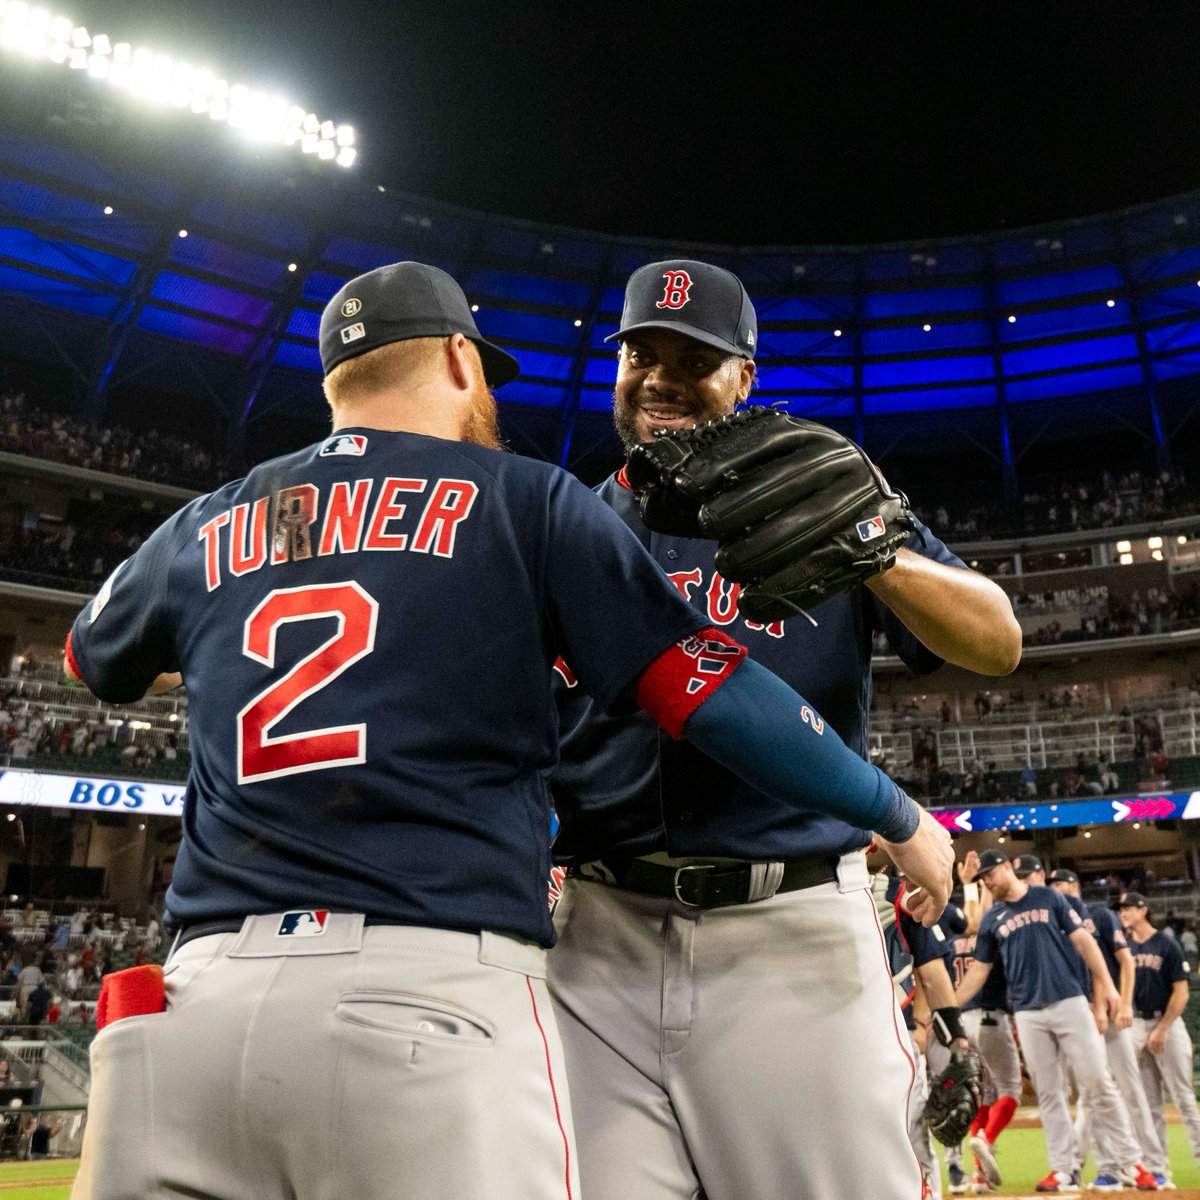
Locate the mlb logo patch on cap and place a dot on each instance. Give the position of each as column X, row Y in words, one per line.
column 309, row 923
column 353, row 332
column 344, row 443
column 871, row 528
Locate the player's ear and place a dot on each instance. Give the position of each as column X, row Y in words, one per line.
column 462, row 361
column 745, row 379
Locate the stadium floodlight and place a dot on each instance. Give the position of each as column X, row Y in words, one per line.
column 164, row 81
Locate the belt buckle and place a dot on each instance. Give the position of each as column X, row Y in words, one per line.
column 690, row 867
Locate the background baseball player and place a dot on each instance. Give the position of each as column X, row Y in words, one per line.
column 695, row 898
column 1160, row 994
column 1103, row 925
column 987, row 1018
column 1037, row 936
column 367, row 629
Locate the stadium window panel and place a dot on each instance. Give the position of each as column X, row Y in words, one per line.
column 1185, row 261
column 931, row 371
column 270, row 227
column 1177, row 365
column 926, row 300
column 944, row 336
column 528, row 327
column 56, row 294
column 292, row 354
column 818, row 408
column 320, row 288
column 1048, row 387
column 210, row 298
column 520, row 392
column 598, row 332
column 196, row 250
column 1181, row 303
column 613, row 301
column 1069, row 354
column 601, row 371
column 595, row 398
column 798, row 379
column 803, row 308
column 928, row 398
column 1063, row 283
column 532, row 289
column 1055, row 321
column 65, row 257
column 193, row 329
column 814, row 343
column 547, row 366
column 304, row 323
column 1174, row 337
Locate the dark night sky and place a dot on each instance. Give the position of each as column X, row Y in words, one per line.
column 834, row 123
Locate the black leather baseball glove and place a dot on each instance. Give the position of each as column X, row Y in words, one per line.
column 954, row 1097
column 798, row 511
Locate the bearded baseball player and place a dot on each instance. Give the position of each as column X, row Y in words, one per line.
column 1037, row 936
column 1162, row 1042
column 703, row 924
column 1103, row 925
column 367, row 629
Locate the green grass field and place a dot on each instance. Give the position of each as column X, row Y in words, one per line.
column 1021, row 1154
column 41, row 1179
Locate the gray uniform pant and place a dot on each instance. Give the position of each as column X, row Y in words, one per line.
column 1065, row 1034
column 743, row 1050
column 1122, row 1062
column 918, row 1131
column 1170, row 1071
column 386, row 1063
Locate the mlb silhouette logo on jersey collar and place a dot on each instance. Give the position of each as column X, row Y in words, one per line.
column 308, row 923
column 344, row 443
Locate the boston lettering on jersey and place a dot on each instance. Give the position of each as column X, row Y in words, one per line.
column 344, row 517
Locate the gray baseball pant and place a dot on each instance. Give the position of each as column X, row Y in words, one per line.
column 918, row 1131
column 1172, row 1070
column 743, row 1049
column 1123, row 1063
column 1065, row 1033
column 383, row 1063
column 990, row 1030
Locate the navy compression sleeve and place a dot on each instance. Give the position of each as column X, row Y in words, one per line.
column 758, row 727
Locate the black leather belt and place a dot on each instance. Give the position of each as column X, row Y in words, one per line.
column 234, row 925
column 712, row 885
column 1145, row 1016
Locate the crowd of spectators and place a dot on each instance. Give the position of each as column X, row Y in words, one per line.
column 1058, row 506
column 1157, row 610
column 143, row 454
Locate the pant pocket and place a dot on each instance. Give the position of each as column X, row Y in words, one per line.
column 420, row 1017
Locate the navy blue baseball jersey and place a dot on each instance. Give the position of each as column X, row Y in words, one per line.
column 1081, row 968
column 367, row 630
column 1031, row 938
column 909, row 945
column 1159, row 964
column 1105, row 927
column 994, row 993
column 622, row 789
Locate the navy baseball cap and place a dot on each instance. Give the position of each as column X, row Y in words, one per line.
column 396, row 303
column 989, row 859
column 1026, row 864
column 1062, row 875
column 694, row 298
column 1132, row 900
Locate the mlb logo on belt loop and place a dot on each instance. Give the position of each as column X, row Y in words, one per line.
column 309, row 923
column 871, row 528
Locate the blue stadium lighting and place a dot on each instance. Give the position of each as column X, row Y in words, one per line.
column 163, row 81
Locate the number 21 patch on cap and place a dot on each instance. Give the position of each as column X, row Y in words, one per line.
column 309, row 923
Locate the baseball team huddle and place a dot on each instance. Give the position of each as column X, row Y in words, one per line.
column 368, row 994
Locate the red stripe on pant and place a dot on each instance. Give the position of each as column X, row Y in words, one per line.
column 553, row 1090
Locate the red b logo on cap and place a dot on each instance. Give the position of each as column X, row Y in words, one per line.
column 679, row 283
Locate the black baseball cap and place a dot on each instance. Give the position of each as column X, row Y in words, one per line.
column 1026, row 864
column 1132, row 900
column 398, row 302
column 1062, row 875
column 694, row 298
column 989, row 859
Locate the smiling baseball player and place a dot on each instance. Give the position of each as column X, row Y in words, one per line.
column 367, row 629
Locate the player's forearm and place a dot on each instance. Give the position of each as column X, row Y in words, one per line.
column 957, row 613
column 1094, row 960
column 939, row 991
column 1128, row 977
column 972, row 981
column 763, row 731
column 1176, row 1003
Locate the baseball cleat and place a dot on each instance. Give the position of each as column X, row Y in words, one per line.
column 1165, row 1183
column 1060, row 1182
column 958, row 1181
column 980, row 1185
column 1108, row 1182
column 985, row 1156
column 1138, row 1177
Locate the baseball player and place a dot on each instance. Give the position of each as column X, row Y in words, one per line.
column 1103, row 925
column 367, row 629
column 987, row 1018
column 1162, row 1042
column 703, row 925
column 1036, row 934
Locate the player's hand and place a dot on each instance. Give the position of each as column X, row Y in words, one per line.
column 1100, row 1014
column 1156, row 1043
column 926, row 860
column 968, row 868
column 1124, row 1017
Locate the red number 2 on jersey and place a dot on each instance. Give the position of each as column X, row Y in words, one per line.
column 261, row 756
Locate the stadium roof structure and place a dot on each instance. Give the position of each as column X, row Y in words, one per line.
column 135, row 259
